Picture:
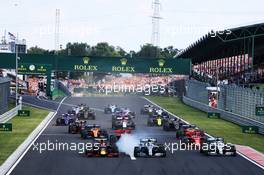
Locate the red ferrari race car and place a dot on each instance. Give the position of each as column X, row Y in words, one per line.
column 182, row 129
column 193, row 136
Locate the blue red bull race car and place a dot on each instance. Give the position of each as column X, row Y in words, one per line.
column 103, row 147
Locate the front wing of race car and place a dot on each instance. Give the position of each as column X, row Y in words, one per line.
column 119, row 132
column 102, row 152
column 144, row 152
column 228, row 150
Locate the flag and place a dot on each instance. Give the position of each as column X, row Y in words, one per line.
column 11, row 36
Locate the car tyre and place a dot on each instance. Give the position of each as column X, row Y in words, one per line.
column 136, row 151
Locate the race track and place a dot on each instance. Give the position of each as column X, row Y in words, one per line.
column 72, row 163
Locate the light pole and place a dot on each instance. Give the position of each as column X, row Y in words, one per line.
column 16, row 74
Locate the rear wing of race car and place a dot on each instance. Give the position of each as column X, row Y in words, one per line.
column 101, row 139
column 80, row 121
column 148, row 140
column 185, row 126
column 122, row 130
column 93, row 126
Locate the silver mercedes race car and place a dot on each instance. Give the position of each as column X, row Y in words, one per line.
column 217, row 146
column 149, row 147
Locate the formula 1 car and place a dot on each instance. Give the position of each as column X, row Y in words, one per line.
column 124, row 112
column 217, row 146
column 93, row 131
column 127, row 111
column 146, row 109
column 120, row 121
column 65, row 119
column 155, row 111
column 86, row 113
column 181, row 132
column 80, row 107
column 149, row 147
column 172, row 124
column 120, row 131
column 75, row 127
column 110, row 109
column 103, row 148
column 193, row 136
column 154, row 121
column 76, row 109
column 72, row 112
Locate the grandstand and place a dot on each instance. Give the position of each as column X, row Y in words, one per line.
column 232, row 60
column 234, row 55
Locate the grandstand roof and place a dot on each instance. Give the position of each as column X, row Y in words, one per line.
column 226, row 43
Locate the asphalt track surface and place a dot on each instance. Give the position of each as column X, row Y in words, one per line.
column 73, row 163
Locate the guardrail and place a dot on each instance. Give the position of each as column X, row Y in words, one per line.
column 10, row 114
column 226, row 115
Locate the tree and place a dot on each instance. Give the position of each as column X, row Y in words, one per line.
column 105, row 50
column 76, row 49
column 121, row 52
column 149, row 51
column 37, row 50
column 169, row 52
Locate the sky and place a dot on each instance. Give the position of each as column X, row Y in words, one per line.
column 124, row 23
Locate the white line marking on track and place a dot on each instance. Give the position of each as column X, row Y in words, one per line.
column 20, row 158
column 55, row 134
column 66, row 104
column 252, row 161
column 72, row 105
column 132, row 158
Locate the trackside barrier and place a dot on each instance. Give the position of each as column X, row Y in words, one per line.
column 237, row 100
column 10, row 114
column 226, row 115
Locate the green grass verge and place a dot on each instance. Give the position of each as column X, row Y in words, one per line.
column 216, row 127
column 22, row 127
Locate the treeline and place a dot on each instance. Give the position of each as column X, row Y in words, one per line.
column 105, row 50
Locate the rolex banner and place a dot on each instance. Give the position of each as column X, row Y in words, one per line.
column 33, row 69
column 41, row 64
column 130, row 65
